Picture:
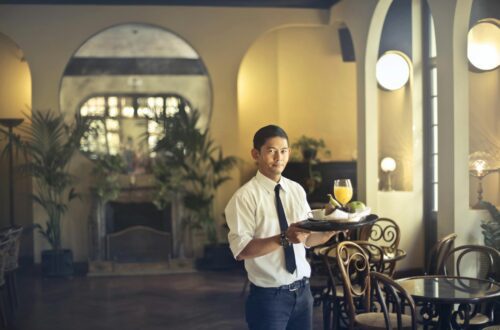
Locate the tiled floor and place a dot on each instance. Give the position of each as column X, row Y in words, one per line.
column 205, row 300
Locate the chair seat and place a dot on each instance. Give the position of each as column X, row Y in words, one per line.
column 375, row 321
column 478, row 319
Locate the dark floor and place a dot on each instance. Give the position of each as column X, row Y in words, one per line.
column 204, row 300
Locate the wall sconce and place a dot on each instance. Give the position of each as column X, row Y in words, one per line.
column 388, row 165
column 393, row 70
column 479, row 167
column 483, row 44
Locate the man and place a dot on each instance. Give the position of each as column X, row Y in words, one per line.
column 261, row 217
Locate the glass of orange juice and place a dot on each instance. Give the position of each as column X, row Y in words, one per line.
column 342, row 190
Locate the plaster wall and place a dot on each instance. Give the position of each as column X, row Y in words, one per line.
column 15, row 101
column 304, row 87
column 220, row 35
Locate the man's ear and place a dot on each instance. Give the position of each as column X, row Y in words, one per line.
column 255, row 153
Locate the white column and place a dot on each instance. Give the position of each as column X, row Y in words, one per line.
column 451, row 21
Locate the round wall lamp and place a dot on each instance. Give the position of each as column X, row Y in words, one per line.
column 388, row 165
column 393, row 70
column 483, row 44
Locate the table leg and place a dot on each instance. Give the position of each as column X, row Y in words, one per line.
column 463, row 313
column 444, row 321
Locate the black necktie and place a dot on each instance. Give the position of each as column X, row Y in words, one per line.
column 289, row 254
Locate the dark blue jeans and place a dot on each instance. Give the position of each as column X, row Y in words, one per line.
column 280, row 308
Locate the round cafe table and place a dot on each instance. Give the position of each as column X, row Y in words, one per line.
column 438, row 294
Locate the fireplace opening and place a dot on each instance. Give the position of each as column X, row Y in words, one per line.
column 120, row 216
column 138, row 232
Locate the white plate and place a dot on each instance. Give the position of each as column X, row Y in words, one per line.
column 339, row 215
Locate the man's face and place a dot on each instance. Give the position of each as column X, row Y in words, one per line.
column 272, row 157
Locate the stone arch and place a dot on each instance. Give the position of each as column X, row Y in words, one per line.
column 294, row 76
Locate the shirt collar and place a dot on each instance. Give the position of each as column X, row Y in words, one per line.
column 269, row 184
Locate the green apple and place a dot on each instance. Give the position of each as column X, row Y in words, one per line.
column 355, row 206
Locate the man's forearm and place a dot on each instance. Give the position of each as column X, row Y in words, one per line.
column 318, row 238
column 259, row 247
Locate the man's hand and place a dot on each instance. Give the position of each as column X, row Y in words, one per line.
column 296, row 235
column 319, row 238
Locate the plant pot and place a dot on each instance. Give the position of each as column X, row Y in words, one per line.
column 57, row 263
column 216, row 257
column 309, row 154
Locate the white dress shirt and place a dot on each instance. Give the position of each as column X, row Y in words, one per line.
column 251, row 213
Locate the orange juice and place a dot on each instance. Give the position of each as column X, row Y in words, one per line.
column 343, row 194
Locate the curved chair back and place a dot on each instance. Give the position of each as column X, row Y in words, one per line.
column 466, row 263
column 354, row 266
column 375, row 255
column 393, row 299
column 384, row 232
column 438, row 253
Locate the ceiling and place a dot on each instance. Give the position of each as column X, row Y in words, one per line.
column 318, row 4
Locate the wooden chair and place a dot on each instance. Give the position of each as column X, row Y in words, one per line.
column 5, row 244
column 354, row 265
column 435, row 266
column 463, row 261
column 322, row 286
column 391, row 296
column 438, row 253
column 12, row 264
column 334, row 308
column 384, row 232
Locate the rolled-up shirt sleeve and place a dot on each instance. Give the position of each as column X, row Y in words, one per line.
column 241, row 222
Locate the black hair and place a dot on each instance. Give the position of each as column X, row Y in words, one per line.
column 267, row 132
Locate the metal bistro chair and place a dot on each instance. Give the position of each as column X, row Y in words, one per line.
column 386, row 233
column 367, row 311
column 462, row 261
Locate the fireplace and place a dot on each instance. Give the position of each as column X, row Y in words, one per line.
column 131, row 230
column 137, row 232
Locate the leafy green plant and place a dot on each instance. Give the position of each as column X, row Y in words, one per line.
column 106, row 171
column 309, row 147
column 190, row 164
column 491, row 228
column 49, row 144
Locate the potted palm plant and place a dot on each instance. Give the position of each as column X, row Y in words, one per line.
column 49, row 144
column 491, row 228
column 191, row 165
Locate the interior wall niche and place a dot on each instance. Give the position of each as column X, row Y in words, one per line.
column 396, row 133
column 140, row 61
